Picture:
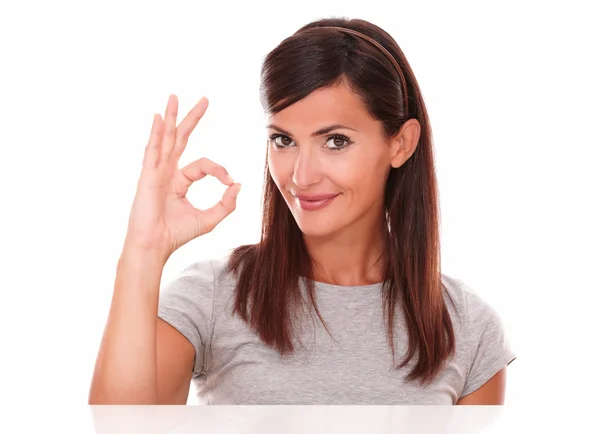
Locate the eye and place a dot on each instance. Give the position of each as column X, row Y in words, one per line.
column 280, row 141
column 338, row 142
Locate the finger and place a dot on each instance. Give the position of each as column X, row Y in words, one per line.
column 187, row 125
column 184, row 179
column 168, row 140
column 211, row 217
column 200, row 168
column 152, row 151
column 197, row 170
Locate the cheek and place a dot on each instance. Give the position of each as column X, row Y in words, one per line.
column 277, row 169
column 359, row 173
column 356, row 172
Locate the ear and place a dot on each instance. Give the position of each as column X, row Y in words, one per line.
column 405, row 142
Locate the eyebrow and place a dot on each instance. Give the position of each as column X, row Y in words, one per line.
column 316, row 133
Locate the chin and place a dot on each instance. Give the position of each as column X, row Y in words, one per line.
column 317, row 227
column 316, row 232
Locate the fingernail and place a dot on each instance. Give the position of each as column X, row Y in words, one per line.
column 230, row 179
column 237, row 191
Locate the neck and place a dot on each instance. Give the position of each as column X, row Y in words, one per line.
column 351, row 257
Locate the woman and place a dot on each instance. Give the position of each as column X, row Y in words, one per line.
column 350, row 232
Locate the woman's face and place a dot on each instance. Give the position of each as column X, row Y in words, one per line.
column 330, row 160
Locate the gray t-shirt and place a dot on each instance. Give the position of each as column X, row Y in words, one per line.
column 233, row 366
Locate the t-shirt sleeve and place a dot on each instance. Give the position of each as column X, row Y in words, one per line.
column 491, row 349
column 186, row 303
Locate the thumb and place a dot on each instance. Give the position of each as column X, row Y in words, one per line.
column 211, row 217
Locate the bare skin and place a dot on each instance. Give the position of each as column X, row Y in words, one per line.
column 352, row 161
column 142, row 359
column 491, row 393
column 345, row 238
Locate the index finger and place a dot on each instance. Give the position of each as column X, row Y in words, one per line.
column 197, row 170
column 187, row 125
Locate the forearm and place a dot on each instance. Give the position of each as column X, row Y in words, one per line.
column 126, row 370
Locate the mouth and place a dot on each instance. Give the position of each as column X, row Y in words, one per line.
column 315, row 202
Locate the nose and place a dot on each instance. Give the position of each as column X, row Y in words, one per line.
column 307, row 169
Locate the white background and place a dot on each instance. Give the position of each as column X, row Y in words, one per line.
column 512, row 93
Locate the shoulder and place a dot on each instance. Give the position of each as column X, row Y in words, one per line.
column 484, row 328
column 196, row 288
column 488, row 348
column 205, row 269
column 470, row 304
column 206, row 273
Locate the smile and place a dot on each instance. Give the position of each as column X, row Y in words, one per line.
column 316, row 202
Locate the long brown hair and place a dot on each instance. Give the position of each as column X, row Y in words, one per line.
column 269, row 273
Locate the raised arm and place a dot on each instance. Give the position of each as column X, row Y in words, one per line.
column 142, row 359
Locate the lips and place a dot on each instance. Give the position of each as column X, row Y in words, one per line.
column 316, row 201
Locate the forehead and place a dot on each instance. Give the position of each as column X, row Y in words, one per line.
column 323, row 107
